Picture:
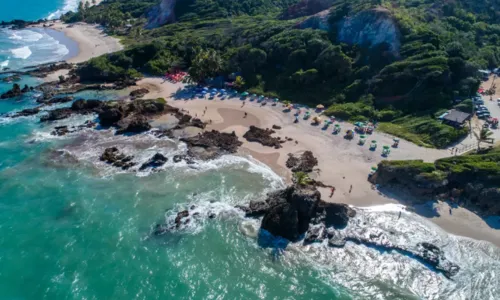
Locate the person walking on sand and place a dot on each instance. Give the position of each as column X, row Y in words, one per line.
column 245, row 115
column 332, row 191
column 350, row 189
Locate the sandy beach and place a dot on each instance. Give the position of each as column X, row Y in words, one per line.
column 90, row 39
column 342, row 163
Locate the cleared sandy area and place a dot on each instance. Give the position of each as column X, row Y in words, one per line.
column 342, row 163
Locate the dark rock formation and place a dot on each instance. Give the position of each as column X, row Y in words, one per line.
column 55, row 100
column 262, row 136
column 57, row 114
column 212, row 144
column 26, row 112
column 305, row 163
column 288, row 213
column 135, row 94
column 110, row 116
column 157, row 160
column 113, row 156
column 276, row 127
column 63, row 130
column 133, row 124
column 180, row 216
column 16, row 91
column 78, row 107
column 11, row 78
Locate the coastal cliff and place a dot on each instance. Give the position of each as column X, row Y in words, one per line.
column 471, row 180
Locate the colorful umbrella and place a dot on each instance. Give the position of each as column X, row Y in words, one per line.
column 320, row 106
column 253, row 95
column 374, row 168
column 396, row 139
column 276, row 100
column 386, row 147
column 362, row 136
column 244, row 94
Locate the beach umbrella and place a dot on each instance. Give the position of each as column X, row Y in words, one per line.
column 244, row 94
column 254, row 95
column 396, row 139
column 205, row 89
column 374, row 168
column 337, row 125
column 374, row 141
column 203, row 92
column 386, row 147
column 320, row 106
column 362, row 136
column 261, row 97
column 276, row 100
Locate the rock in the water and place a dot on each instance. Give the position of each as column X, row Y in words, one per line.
column 26, row 112
column 157, row 160
column 180, row 216
column 262, row 136
column 133, row 124
column 55, row 100
column 14, row 92
column 113, row 156
column 212, row 144
column 110, row 116
column 57, row 114
column 305, row 163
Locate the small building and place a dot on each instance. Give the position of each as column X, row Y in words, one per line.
column 456, row 118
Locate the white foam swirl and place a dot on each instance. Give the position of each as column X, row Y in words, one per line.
column 22, row 53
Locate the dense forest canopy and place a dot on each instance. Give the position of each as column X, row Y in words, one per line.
column 271, row 44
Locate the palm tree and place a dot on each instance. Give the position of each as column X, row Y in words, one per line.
column 301, row 178
column 484, row 135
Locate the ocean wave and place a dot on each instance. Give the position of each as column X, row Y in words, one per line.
column 69, row 5
column 25, row 36
column 4, row 64
column 22, row 53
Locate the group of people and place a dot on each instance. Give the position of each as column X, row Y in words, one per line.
column 332, row 191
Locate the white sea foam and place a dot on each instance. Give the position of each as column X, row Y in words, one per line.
column 4, row 64
column 69, row 5
column 22, row 53
column 24, row 35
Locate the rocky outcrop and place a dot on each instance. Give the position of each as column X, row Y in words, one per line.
column 156, row 161
column 63, row 130
column 16, row 91
column 182, row 219
column 133, row 124
column 113, row 156
column 410, row 177
column 11, row 78
column 161, row 14
column 78, row 107
column 55, row 100
column 26, row 112
column 289, row 212
column 305, row 163
column 136, row 94
column 212, row 144
column 370, row 27
column 262, row 136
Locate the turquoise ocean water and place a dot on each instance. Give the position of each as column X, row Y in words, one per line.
column 73, row 228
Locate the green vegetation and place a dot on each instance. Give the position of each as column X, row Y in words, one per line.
column 442, row 44
column 423, row 130
column 463, row 169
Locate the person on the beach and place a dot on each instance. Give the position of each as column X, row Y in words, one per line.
column 332, row 191
column 399, row 215
column 245, row 115
column 350, row 189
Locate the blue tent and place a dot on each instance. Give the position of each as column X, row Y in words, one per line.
column 205, row 89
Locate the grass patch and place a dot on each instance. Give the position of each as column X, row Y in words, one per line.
column 424, row 131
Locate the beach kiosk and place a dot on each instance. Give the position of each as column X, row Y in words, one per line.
column 373, row 145
column 396, row 143
column 336, row 129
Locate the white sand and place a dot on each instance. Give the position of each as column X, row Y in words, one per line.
column 91, row 39
column 343, row 163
